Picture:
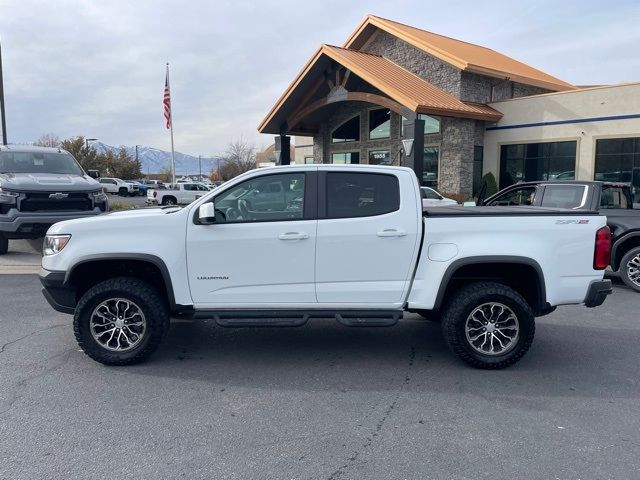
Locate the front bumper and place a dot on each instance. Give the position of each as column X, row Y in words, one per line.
column 32, row 222
column 59, row 295
column 597, row 293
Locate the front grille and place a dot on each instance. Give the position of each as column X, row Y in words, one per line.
column 41, row 202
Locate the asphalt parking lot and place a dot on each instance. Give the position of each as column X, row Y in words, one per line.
column 319, row 402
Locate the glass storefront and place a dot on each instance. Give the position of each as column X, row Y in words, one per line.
column 537, row 161
column 618, row 160
column 379, row 123
column 345, row 157
column 430, row 169
column 349, row 131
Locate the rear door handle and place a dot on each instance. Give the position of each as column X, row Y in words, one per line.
column 392, row 232
column 293, row 236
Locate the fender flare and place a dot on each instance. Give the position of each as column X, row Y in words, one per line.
column 141, row 257
column 616, row 245
column 507, row 259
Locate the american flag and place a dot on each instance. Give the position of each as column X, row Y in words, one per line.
column 167, row 100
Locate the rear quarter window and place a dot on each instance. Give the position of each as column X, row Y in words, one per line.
column 352, row 195
column 563, row 196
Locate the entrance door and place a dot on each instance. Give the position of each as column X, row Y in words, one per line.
column 366, row 244
column 260, row 252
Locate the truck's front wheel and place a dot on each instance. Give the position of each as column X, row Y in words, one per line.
column 120, row 321
column 488, row 325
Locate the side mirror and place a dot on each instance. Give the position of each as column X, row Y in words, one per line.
column 207, row 213
column 93, row 173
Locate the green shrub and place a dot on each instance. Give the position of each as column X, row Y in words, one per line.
column 492, row 186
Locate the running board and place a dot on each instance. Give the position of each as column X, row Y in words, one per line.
column 297, row 318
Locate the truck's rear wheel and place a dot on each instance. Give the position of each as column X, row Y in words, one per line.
column 120, row 321
column 169, row 201
column 4, row 244
column 488, row 325
column 630, row 269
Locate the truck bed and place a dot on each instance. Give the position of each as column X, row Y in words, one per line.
column 516, row 211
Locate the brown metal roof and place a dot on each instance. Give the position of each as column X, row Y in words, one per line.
column 406, row 88
column 466, row 56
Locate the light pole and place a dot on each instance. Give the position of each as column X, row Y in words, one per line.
column 87, row 140
column 2, row 111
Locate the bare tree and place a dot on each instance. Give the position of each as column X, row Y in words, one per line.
column 48, row 140
column 239, row 157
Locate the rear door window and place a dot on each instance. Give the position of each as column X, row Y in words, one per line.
column 613, row 197
column 564, row 196
column 361, row 194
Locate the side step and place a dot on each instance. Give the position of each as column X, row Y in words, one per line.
column 297, row 318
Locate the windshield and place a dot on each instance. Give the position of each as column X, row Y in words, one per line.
column 39, row 162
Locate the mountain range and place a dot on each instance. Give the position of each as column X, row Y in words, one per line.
column 154, row 160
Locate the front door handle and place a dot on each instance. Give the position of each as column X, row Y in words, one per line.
column 293, row 236
column 392, row 232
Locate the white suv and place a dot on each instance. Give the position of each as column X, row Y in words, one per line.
column 118, row 186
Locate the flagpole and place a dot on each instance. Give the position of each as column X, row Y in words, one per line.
column 173, row 154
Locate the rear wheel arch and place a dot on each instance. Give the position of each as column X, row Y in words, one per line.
column 622, row 246
column 523, row 274
column 93, row 269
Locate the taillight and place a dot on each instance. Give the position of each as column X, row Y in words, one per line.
column 602, row 251
column 155, row 194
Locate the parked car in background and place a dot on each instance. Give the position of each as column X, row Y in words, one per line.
column 349, row 242
column 118, row 186
column 615, row 200
column 154, row 183
column 142, row 188
column 431, row 198
column 176, row 194
column 41, row 186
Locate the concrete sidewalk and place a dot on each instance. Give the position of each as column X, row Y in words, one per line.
column 23, row 257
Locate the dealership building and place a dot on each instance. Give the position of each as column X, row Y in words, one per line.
column 452, row 111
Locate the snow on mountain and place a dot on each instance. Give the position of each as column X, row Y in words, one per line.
column 154, row 160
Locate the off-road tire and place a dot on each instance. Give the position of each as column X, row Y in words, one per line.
column 4, row 244
column 460, row 306
column 149, row 300
column 624, row 271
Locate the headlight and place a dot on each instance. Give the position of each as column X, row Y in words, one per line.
column 54, row 244
column 7, row 197
column 99, row 196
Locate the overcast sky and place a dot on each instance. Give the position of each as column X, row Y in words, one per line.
column 96, row 68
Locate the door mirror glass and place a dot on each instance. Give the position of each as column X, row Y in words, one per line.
column 207, row 213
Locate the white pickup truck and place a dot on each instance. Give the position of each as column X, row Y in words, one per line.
column 332, row 241
column 176, row 194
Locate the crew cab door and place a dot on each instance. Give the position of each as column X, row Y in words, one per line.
column 253, row 256
column 369, row 228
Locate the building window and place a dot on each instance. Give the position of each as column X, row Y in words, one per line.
column 430, row 168
column 537, row 161
column 349, row 131
column 308, row 159
column 379, row 157
column 431, row 124
column 379, row 123
column 345, row 157
column 618, row 160
column 478, row 156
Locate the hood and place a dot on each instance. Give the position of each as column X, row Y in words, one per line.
column 139, row 220
column 39, row 182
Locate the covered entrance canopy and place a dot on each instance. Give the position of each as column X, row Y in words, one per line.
column 335, row 75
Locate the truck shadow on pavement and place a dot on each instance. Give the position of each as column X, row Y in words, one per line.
column 564, row 361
